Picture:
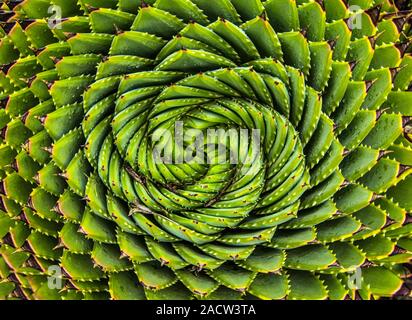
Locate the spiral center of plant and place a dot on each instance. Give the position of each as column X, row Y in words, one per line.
column 236, row 162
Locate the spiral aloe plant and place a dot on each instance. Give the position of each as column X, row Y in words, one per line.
column 323, row 199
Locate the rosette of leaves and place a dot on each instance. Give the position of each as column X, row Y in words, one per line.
column 322, row 210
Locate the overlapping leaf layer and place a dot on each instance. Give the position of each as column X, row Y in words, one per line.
column 320, row 210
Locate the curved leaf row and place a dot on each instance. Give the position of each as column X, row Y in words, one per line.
column 328, row 193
